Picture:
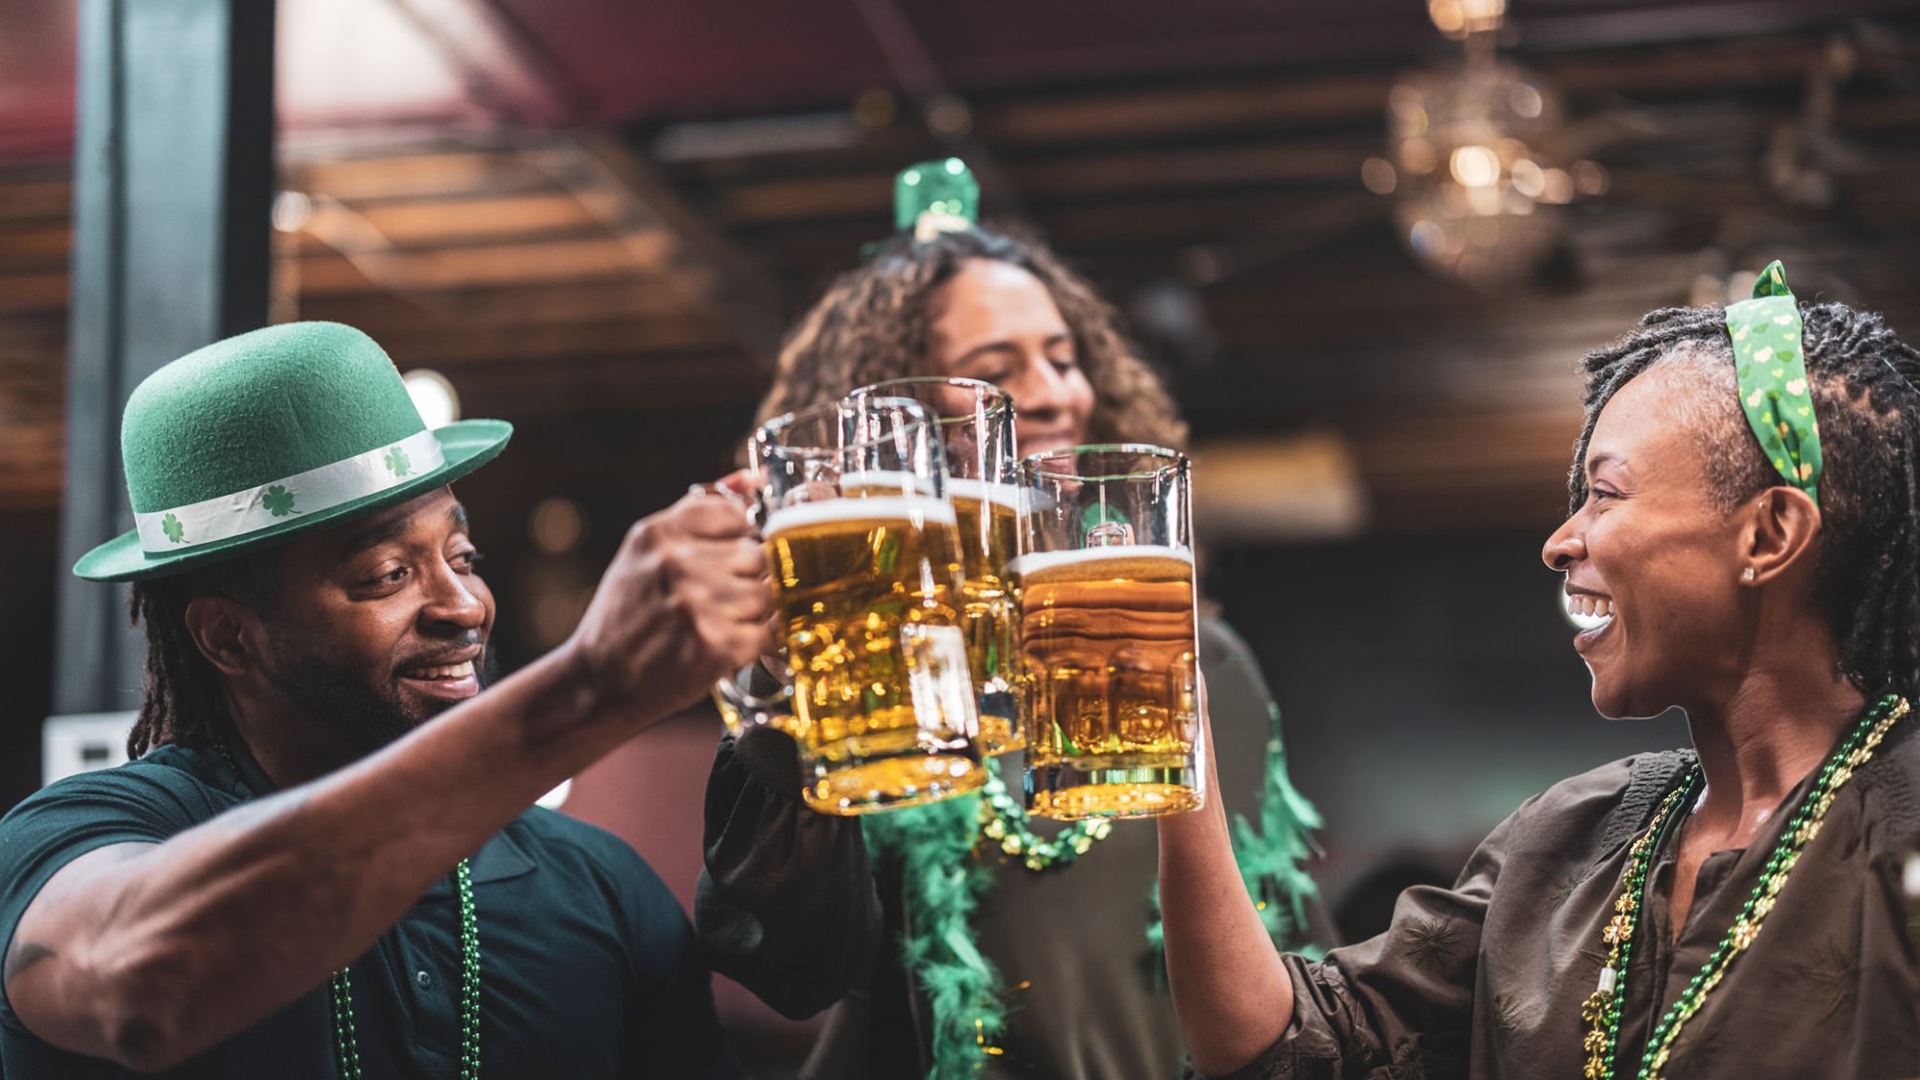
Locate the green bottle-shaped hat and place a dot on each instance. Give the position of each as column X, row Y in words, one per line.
column 935, row 197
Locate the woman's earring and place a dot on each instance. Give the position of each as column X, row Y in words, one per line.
column 1747, row 574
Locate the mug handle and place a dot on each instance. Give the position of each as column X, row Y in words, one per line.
column 740, row 708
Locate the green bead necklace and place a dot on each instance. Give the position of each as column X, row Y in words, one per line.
column 1602, row 1010
column 1004, row 821
column 346, row 1038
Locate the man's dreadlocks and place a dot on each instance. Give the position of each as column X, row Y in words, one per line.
column 182, row 700
column 1868, row 409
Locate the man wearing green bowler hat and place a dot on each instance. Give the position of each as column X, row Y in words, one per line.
column 322, row 861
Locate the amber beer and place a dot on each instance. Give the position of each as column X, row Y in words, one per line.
column 873, row 631
column 989, row 526
column 976, row 433
column 1108, row 643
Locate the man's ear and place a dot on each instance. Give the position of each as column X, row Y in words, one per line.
column 223, row 631
column 1782, row 525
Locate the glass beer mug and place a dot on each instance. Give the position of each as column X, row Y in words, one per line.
column 851, row 500
column 1107, row 634
column 976, row 434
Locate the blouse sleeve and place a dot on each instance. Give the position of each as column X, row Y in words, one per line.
column 786, row 903
column 1400, row 1004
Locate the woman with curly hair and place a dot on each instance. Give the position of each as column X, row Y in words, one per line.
column 943, row 952
column 989, row 305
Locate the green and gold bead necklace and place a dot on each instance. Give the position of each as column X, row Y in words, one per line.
column 1003, row 821
column 1602, row 1010
column 346, row 1038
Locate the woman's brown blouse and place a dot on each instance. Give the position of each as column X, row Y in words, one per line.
column 1486, row 979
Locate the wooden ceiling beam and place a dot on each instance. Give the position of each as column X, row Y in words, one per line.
column 1116, row 173
column 484, row 265
column 590, row 385
column 35, row 245
column 1207, row 167
column 580, row 301
column 1131, row 115
column 1169, row 219
column 465, row 219
column 625, row 190
column 37, row 199
column 1186, row 111
column 1725, row 66
column 36, row 291
column 455, row 173
column 459, row 348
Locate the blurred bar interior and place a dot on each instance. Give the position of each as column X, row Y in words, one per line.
column 1365, row 241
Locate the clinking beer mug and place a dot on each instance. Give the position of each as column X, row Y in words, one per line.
column 861, row 538
column 1107, row 633
column 976, row 435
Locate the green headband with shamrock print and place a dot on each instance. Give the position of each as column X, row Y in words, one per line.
column 1773, row 379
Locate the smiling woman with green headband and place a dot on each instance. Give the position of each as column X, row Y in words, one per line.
column 1743, row 545
column 960, row 939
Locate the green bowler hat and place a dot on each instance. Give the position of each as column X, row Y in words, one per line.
column 271, row 435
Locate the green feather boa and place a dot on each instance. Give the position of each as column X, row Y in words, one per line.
column 944, row 882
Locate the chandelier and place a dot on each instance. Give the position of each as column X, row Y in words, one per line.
column 1479, row 195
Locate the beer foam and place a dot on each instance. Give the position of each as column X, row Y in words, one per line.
column 1000, row 494
column 914, row 508
column 1035, row 562
column 897, row 480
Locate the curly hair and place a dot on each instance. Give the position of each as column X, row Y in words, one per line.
column 876, row 322
column 1868, row 409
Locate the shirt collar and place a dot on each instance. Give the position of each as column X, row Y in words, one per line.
column 501, row 858
column 240, row 764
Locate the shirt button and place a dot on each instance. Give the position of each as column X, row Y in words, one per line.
column 423, row 979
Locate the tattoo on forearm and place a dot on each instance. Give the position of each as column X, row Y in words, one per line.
column 22, row 955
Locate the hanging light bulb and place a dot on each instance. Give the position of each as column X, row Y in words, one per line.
column 1461, row 18
column 1475, row 196
column 1475, row 166
column 433, row 396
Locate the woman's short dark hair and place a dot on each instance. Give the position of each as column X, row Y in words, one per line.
column 1868, row 410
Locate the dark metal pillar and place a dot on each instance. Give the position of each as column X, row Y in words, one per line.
column 173, row 189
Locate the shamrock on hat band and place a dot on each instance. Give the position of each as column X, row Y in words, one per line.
column 253, row 509
column 1772, row 371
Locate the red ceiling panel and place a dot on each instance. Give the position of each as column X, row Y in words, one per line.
column 617, row 60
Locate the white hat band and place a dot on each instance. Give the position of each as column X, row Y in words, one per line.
column 253, row 509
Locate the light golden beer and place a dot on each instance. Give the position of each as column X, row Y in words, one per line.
column 989, row 520
column 1107, row 637
column 866, row 597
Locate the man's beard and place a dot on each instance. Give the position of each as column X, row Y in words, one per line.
column 360, row 714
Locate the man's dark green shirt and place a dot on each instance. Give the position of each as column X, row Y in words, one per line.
column 588, row 967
